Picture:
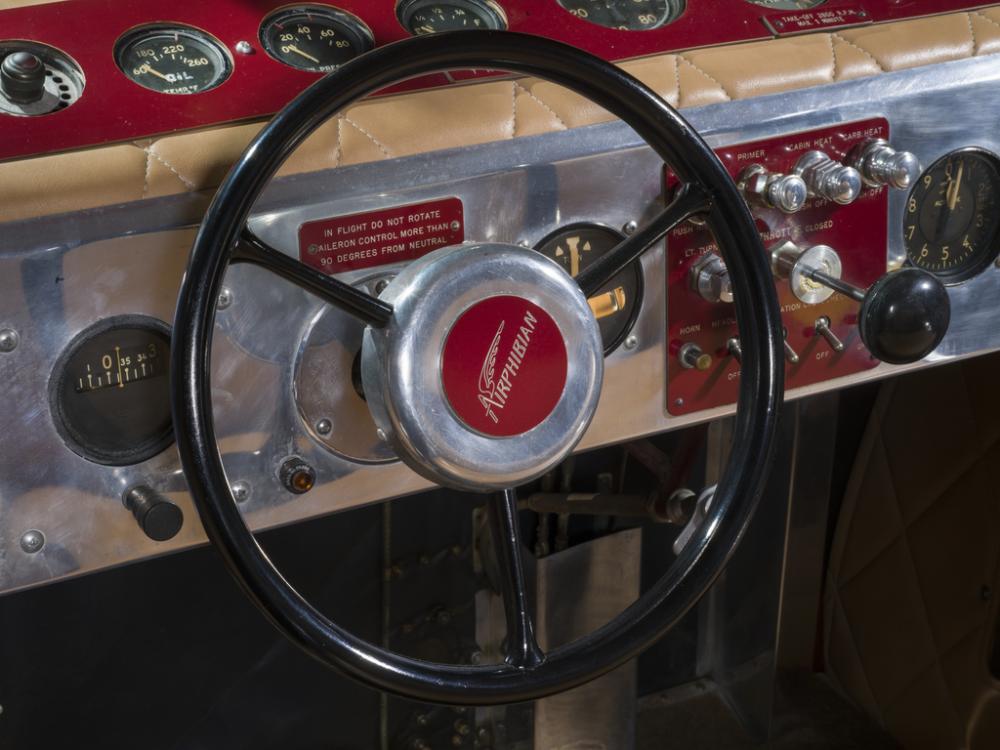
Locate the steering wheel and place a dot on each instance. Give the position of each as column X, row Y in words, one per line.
column 482, row 365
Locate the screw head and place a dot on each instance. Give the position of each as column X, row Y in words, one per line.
column 380, row 286
column 629, row 228
column 225, row 298
column 241, row 491
column 631, row 342
column 9, row 339
column 244, row 48
column 32, row 541
column 324, row 426
column 678, row 402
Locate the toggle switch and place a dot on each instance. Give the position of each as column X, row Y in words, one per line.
column 786, row 192
column 735, row 350
column 692, row 357
column 828, row 178
column 822, row 327
column 790, row 354
column 881, row 164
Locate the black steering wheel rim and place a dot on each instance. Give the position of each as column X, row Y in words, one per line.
column 761, row 385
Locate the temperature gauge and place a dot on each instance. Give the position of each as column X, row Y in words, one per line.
column 109, row 391
column 173, row 59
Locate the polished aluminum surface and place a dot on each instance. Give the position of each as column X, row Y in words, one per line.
column 60, row 274
column 401, row 366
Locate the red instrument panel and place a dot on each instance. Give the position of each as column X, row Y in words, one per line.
column 113, row 108
column 858, row 232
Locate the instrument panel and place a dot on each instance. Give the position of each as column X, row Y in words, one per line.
column 144, row 68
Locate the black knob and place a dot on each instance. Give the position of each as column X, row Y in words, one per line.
column 22, row 77
column 158, row 518
column 904, row 316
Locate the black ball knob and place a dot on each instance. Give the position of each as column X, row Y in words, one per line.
column 904, row 316
column 22, row 77
column 158, row 518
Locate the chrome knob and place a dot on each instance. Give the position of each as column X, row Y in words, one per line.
column 692, row 357
column 829, row 179
column 823, row 328
column 881, row 164
column 710, row 278
column 786, row 192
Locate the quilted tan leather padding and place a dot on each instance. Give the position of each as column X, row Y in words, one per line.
column 913, row 587
column 479, row 113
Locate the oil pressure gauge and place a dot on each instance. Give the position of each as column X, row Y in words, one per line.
column 173, row 59
column 316, row 38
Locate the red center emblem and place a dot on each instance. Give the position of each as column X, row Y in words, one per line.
column 504, row 366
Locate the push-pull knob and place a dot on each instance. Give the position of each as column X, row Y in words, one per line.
column 786, row 192
column 903, row 316
column 22, row 77
column 828, row 178
column 709, row 277
column 158, row 518
column 881, row 164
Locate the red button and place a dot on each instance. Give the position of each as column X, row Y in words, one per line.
column 504, row 366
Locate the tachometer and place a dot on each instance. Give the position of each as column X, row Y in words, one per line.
column 952, row 222
column 626, row 15
column 316, row 38
column 617, row 303
column 173, row 59
column 430, row 16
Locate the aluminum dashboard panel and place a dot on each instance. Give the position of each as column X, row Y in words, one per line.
column 60, row 275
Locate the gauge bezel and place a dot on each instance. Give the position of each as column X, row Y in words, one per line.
column 636, row 267
column 71, row 437
column 990, row 256
column 144, row 31
column 669, row 19
column 406, row 8
column 347, row 20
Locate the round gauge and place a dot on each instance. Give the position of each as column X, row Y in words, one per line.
column 787, row 4
column 173, row 59
column 109, row 391
column 316, row 38
column 429, row 16
column 617, row 303
column 952, row 222
column 626, row 15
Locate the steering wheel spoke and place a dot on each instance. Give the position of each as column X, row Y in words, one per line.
column 690, row 199
column 366, row 308
column 523, row 650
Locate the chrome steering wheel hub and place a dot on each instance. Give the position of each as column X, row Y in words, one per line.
column 490, row 370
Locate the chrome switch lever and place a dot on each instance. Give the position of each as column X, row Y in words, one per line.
column 828, row 178
column 786, row 192
column 881, row 164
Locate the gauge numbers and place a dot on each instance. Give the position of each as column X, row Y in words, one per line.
column 788, row 4
column 952, row 222
column 430, row 16
column 173, row 59
column 626, row 15
column 616, row 304
column 314, row 37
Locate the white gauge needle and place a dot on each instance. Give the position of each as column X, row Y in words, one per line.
column 156, row 73
column 306, row 55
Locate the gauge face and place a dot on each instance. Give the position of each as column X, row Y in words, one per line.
column 626, row 15
column 788, row 4
column 952, row 222
column 173, row 60
column 109, row 391
column 429, row 16
column 617, row 303
column 314, row 37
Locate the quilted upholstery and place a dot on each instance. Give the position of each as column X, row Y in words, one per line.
column 397, row 126
column 914, row 582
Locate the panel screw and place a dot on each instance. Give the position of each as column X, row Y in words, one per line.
column 630, row 228
column 9, row 339
column 225, row 298
column 678, row 402
column 631, row 342
column 32, row 541
column 324, row 426
column 244, row 48
column 241, row 491
column 456, row 225
column 380, row 286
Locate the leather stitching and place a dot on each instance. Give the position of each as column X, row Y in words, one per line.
column 338, row 149
column 677, row 80
column 381, row 147
column 860, row 49
column 534, row 97
column 972, row 33
column 189, row 184
column 985, row 17
column 833, row 55
column 513, row 109
column 713, row 79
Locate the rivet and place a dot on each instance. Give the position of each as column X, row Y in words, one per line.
column 678, row 402
column 32, row 541
column 380, row 434
column 629, row 228
column 241, row 491
column 456, row 225
column 324, row 426
column 225, row 298
column 9, row 339
column 631, row 342
column 244, row 48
